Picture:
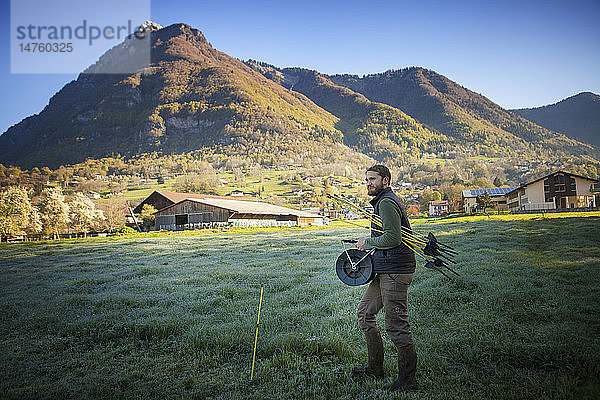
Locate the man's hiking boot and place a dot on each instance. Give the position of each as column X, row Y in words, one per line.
column 374, row 367
column 407, row 366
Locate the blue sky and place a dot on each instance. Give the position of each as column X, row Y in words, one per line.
column 516, row 53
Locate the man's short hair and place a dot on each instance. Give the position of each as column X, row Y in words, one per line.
column 382, row 170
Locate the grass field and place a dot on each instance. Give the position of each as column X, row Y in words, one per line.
column 175, row 316
column 267, row 183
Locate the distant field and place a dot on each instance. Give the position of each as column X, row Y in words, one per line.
column 174, row 316
column 145, row 191
column 266, row 183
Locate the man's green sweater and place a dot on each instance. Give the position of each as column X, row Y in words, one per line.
column 392, row 227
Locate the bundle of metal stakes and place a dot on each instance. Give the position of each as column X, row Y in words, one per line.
column 435, row 254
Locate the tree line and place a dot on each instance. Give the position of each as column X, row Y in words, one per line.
column 51, row 214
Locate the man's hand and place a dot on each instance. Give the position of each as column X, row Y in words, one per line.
column 360, row 244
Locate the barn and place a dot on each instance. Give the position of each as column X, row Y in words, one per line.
column 162, row 199
column 195, row 213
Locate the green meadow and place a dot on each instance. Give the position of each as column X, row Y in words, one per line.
column 174, row 316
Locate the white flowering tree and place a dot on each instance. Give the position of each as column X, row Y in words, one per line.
column 16, row 212
column 54, row 211
column 34, row 225
column 83, row 214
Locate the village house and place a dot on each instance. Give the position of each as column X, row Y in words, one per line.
column 559, row 190
column 437, row 208
column 237, row 193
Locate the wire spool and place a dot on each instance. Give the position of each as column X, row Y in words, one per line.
column 355, row 273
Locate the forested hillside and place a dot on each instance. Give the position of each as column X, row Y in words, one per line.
column 376, row 129
column 577, row 117
column 469, row 117
column 196, row 103
column 191, row 97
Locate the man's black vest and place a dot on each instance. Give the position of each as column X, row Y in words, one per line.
column 399, row 259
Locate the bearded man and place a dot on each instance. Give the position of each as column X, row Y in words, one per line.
column 393, row 265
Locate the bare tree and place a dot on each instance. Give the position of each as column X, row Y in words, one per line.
column 196, row 182
column 115, row 210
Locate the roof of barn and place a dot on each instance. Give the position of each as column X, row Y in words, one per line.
column 247, row 207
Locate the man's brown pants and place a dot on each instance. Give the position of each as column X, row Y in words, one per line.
column 390, row 292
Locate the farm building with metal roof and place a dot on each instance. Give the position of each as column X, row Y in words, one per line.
column 195, row 213
column 162, row 199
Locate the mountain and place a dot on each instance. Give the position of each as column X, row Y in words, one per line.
column 375, row 129
column 462, row 114
column 577, row 117
column 191, row 97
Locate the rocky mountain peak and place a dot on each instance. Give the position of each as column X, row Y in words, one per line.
column 180, row 30
column 151, row 26
column 183, row 95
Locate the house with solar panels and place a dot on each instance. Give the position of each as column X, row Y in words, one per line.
column 557, row 191
column 498, row 196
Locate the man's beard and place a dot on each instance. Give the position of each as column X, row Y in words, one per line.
column 375, row 191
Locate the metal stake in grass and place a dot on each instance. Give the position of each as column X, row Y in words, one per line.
column 256, row 335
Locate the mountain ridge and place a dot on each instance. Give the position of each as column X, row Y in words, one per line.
column 577, row 116
column 193, row 97
column 458, row 112
column 376, row 129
